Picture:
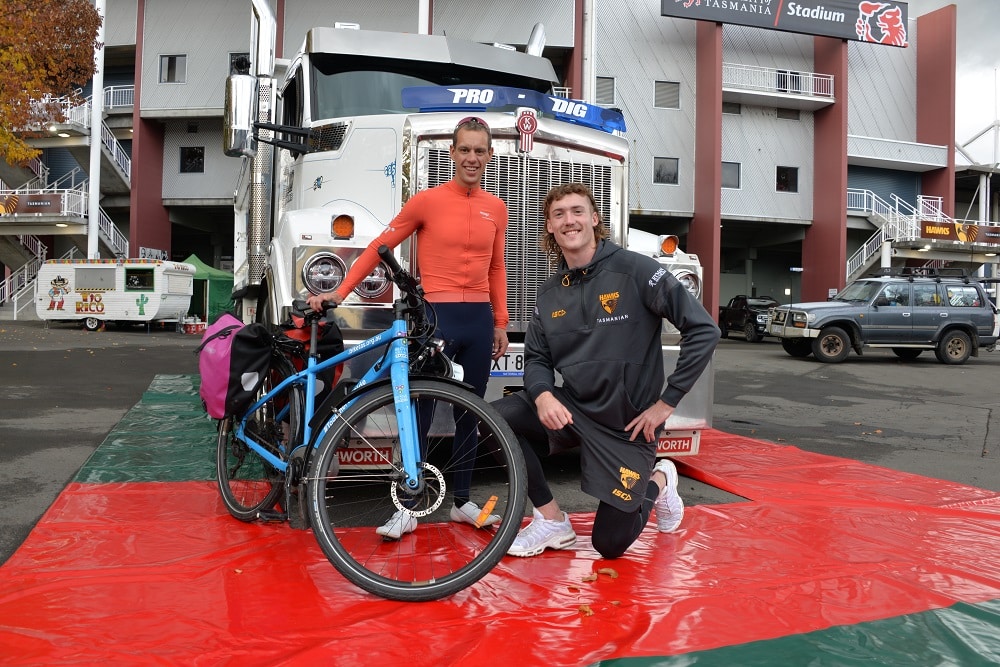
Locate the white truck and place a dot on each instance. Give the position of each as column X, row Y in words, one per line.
column 336, row 139
column 119, row 291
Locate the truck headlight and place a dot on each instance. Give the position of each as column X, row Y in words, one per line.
column 323, row 272
column 690, row 281
column 800, row 319
column 376, row 284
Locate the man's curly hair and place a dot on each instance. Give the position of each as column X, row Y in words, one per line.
column 549, row 245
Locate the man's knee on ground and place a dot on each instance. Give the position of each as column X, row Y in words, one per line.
column 607, row 546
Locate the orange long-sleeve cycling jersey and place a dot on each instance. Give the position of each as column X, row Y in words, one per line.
column 460, row 247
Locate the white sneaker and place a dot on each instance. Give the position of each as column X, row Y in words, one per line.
column 469, row 513
column 669, row 506
column 542, row 534
column 399, row 524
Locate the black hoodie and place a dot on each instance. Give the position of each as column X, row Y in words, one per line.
column 599, row 326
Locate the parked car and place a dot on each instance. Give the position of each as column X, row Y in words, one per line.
column 908, row 311
column 747, row 315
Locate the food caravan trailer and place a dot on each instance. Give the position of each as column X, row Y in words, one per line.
column 95, row 291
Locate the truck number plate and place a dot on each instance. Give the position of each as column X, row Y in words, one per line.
column 510, row 364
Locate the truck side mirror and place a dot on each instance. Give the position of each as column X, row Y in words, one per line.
column 238, row 139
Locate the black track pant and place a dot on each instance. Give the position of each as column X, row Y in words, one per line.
column 614, row 531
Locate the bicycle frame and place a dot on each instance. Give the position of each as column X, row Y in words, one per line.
column 395, row 365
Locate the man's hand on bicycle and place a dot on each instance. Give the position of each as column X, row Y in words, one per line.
column 316, row 301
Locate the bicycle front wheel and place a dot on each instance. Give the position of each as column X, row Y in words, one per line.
column 247, row 482
column 356, row 486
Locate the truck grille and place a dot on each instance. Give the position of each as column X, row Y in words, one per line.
column 522, row 182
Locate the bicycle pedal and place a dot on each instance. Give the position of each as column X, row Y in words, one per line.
column 272, row 516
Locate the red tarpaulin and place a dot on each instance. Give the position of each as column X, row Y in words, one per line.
column 159, row 573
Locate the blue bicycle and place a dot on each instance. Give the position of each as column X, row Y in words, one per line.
column 376, row 447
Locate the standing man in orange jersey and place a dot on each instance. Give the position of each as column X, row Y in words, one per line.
column 460, row 230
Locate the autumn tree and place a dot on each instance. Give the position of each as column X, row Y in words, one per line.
column 46, row 53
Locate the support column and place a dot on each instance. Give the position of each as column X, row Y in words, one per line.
column 579, row 74
column 149, row 223
column 824, row 248
column 705, row 234
column 936, row 61
column 96, row 123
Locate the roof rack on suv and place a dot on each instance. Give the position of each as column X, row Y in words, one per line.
column 912, row 272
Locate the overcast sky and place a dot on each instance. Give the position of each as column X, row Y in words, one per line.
column 976, row 79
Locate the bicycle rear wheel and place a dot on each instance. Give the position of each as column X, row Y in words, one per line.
column 355, row 486
column 247, row 482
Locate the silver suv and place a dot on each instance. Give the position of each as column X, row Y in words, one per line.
column 908, row 310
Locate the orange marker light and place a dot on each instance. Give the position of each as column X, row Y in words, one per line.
column 668, row 244
column 342, row 227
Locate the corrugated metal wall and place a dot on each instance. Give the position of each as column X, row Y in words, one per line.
column 222, row 27
column 637, row 47
column 882, row 90
column 885, row 183
column 60, row 162
column 767, row 48
column 760, row 142
column 220, row 171
column 302, row 15
column 120, row 22
column 506, row 22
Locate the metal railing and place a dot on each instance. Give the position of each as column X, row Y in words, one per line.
column 118, row 153
column 75, row 201
column 74, row 179
column 771, row 80
column 899, row 221
column 115, row 238
column 19, row 281
column 116, row 97
column 39, row 169
column 34, row 245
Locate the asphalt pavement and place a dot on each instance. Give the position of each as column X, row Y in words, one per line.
column 64, row 389
column 918, row 416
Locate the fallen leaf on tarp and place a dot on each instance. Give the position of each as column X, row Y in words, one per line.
column 610, row 571
column 586, row 610
column 590, row 577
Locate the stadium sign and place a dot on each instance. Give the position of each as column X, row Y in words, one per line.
column 864, row 21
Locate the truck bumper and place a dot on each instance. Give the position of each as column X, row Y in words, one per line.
column 791, row 332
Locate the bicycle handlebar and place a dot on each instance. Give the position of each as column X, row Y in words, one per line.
column 301, row 308
column 406, row 282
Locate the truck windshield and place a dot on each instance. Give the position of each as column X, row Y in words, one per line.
column 858, row 291
column 358, row 86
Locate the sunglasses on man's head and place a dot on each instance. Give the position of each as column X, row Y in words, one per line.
column 472, row 119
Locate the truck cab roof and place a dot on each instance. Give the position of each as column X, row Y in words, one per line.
column 432, row 49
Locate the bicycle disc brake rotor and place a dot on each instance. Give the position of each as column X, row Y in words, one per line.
column 427, row 500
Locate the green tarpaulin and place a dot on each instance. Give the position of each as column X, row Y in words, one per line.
column 213, row 290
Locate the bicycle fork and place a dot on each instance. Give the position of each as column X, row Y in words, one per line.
column 406, row 422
